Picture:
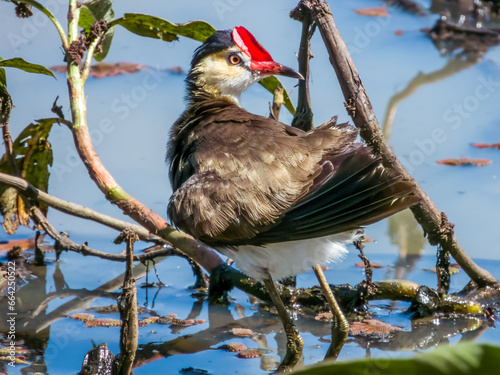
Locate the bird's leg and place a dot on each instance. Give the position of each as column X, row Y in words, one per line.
column 294, row 343
column 340, row 326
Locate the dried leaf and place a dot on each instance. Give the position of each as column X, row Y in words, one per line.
column 464, row 161
column 242, row 332
column 372, row 12
column 27, row 243
column 250, row 353
column 372, row 328
column 106, row 322
column 150, row 320
column 102, row 69
column 234, row 347
column 486, row 145
column 324, row 316
column 84, row 317
column 373, row 265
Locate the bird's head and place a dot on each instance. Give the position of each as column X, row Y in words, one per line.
column 227, row 63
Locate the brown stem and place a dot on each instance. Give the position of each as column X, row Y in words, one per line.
column 130, row 206
column 65, row 243
column 303, row 118
column 433, row 221
column 74, row 209
column 127, row 305
column 207, row 258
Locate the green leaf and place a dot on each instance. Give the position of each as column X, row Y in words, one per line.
column 19, row 63
column 270, row 83
column 465, row 358
column 33, row 156
column 97, row 10
column 158, row 28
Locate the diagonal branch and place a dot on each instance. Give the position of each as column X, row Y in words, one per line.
column 130, row 206
column 434, row 222
column 75, row 209
column 65, row 243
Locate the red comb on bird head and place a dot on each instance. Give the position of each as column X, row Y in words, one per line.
column 249, row 45
column 261, row 60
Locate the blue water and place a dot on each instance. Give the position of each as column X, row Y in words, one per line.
column 130, row 115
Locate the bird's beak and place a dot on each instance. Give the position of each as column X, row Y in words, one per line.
column 272, row 67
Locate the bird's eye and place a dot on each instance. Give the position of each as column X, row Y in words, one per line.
column 234, row 59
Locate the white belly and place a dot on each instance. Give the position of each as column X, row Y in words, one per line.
column 290, row 258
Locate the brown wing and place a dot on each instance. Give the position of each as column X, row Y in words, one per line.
column 257, row 181
column 246, row 174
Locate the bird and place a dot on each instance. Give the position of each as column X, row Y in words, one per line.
column 275, row 199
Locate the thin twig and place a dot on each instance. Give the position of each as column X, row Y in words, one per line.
column 433, row 221
column 303, row 118
column 65, row 243
column 200, row 253
column 52, row 18
column 75, row 209
column 127, row 306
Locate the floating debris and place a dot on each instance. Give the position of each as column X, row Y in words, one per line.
column 106, row 322
column 486, row 145
column 324, row 316
column 84, row 317
column 150, row 320
column 250, row 353
column 234, row 347
column 464, row 161
column 372, row 265
column 372, row 12
column 242, row 332
column 372, row 328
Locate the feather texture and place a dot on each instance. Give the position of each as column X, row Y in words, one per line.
column 243, row 179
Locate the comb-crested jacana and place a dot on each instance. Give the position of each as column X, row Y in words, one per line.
column 275, row 199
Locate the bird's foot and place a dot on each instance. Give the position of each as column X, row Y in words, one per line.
column 294, row 346
column 340, row 331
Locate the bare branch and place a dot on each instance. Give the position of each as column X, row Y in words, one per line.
column 433, row 221
column 303, row 118
column 65, row 243
column 75, row 209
